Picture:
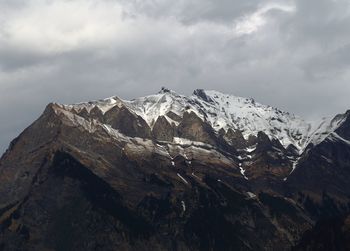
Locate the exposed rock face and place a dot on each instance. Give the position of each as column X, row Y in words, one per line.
column 193, row 128
column 174, row 116
column 268, row 159
column 201, row 93
column 330, row 234
column 326, row 162
column 235, row 138
column 98, row 178
column 163, row 130
column 344, row 129
column 84, row 113
column 97, row 114
column 127, row 123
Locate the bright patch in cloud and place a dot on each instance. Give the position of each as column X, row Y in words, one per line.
column 251, row 23
column 62, row 26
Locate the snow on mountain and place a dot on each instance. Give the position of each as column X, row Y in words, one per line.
column 104, row 105
column 244, row 114
column 153, row 106
column 224, row 111
column 325, row 128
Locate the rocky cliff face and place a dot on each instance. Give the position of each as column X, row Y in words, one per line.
column 169, row 172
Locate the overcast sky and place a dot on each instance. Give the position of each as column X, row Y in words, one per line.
column 294, row 55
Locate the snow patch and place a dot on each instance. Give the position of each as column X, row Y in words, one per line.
column 183, row 206
column 183, row 141
column 182, row 178
column 251, row 149
column 295, row 163
column 194, row 175
column 251, row 195
column 242, row 171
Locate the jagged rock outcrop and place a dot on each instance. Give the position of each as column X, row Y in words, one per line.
column 344, row 129
column 163, row 130
column 84, row 113
column 193, row 128
column 97, row 114
column 173, row 116
column 127, row 123
column 235, row 138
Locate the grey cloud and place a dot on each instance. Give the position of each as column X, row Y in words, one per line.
column 322, row 22
column 329, row 64
column 295, row 61
column 192, row 11
column 13, row 59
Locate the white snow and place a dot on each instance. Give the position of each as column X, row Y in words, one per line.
column 185, row 156
column 251, row 149
column 153, row 106
column 250, row 117
column 162, row 151
column 325, row 128
column 183, row 141
column 194, row 175
column 183, row 205
column 242, row 171
column 295, row 163
column 104, row 105
column 183, row 179
column 251, row 195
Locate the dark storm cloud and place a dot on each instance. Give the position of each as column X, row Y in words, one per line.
column 70, row 51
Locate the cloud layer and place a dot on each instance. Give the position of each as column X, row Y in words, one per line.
column 291, row 54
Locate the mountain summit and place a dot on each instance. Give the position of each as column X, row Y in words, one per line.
column 210, row 171
column 222, row 111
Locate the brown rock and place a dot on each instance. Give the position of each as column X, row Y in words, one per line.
column 235, row 138
column 163, row 130
column 97, row 114
column 127, row 123
column 193, row 128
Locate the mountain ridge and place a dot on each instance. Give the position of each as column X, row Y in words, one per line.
column 247, row 116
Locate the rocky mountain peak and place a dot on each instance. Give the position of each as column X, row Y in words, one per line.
column 165, row 90
column 200, row 93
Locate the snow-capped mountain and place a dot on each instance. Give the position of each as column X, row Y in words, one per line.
column 210, row 171
column 224, row 111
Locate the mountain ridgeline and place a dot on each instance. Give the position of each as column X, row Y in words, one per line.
column 209, row 171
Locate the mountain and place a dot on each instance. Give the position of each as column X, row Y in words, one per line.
column 169, row 172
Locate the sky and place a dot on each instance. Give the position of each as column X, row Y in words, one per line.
column 294, row 55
